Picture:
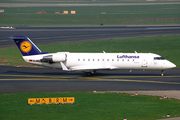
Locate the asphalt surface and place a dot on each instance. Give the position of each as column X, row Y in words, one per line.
column 16, row 79
column 44, row 35
column 22, row 79
column 67, row 5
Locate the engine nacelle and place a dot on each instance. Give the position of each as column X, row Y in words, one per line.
column 58, row 57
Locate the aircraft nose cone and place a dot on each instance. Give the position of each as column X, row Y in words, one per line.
column 171, row 65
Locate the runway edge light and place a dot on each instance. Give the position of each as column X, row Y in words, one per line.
column 165, row 97
column 94, row 91
column 168, row 115
column 57, row 100
column 124, row 119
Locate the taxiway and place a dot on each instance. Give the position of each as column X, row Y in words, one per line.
column 23, row 79
column 17, row 79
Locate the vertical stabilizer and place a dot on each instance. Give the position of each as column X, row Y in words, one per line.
column 26, row 46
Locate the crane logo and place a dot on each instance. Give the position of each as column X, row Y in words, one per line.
column 25, row 46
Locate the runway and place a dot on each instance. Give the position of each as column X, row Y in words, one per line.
column 17, row 79
column 21, row 79
column 68, row 5
column 44, row 35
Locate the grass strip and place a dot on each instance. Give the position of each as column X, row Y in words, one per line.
column 166, row 46
column 92, row 15
column 88, row 106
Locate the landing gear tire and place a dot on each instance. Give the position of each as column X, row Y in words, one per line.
column 162, row 73
column 90, row 73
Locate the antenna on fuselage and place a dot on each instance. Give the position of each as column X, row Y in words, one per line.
column 104, row 52
column 135, row 51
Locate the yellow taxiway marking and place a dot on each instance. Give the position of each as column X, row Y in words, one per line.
column 137, row 76
column 96, row 77
column 51, row 37
column 83, row 35
column 108, row 34
column 90, row 79
column 77, row 78
column 148, row 81
column 126, row 80
column 62, row 36
column 3, row 40
column 34, row 76
column 31, row 79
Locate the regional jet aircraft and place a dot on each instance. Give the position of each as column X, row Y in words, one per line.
column 90, row 62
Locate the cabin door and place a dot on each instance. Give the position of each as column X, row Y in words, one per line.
column 144, row 62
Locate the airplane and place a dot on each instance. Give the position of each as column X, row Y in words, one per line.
column 90, row 62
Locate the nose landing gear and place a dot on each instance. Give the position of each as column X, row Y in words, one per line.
column 162, row 72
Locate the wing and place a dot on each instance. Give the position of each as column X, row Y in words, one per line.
column 88, row 68
column 85, row 68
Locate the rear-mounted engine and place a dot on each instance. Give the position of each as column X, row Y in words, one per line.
column 58, row 57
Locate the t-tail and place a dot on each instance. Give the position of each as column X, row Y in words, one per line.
column 26, row 46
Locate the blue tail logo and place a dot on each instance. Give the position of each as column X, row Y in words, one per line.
column 26, row 46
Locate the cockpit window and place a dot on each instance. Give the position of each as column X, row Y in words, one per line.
column 159, row 58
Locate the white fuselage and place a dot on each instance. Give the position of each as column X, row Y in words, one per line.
column 100, row 61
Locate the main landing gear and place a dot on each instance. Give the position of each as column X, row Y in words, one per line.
column 90, row 72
